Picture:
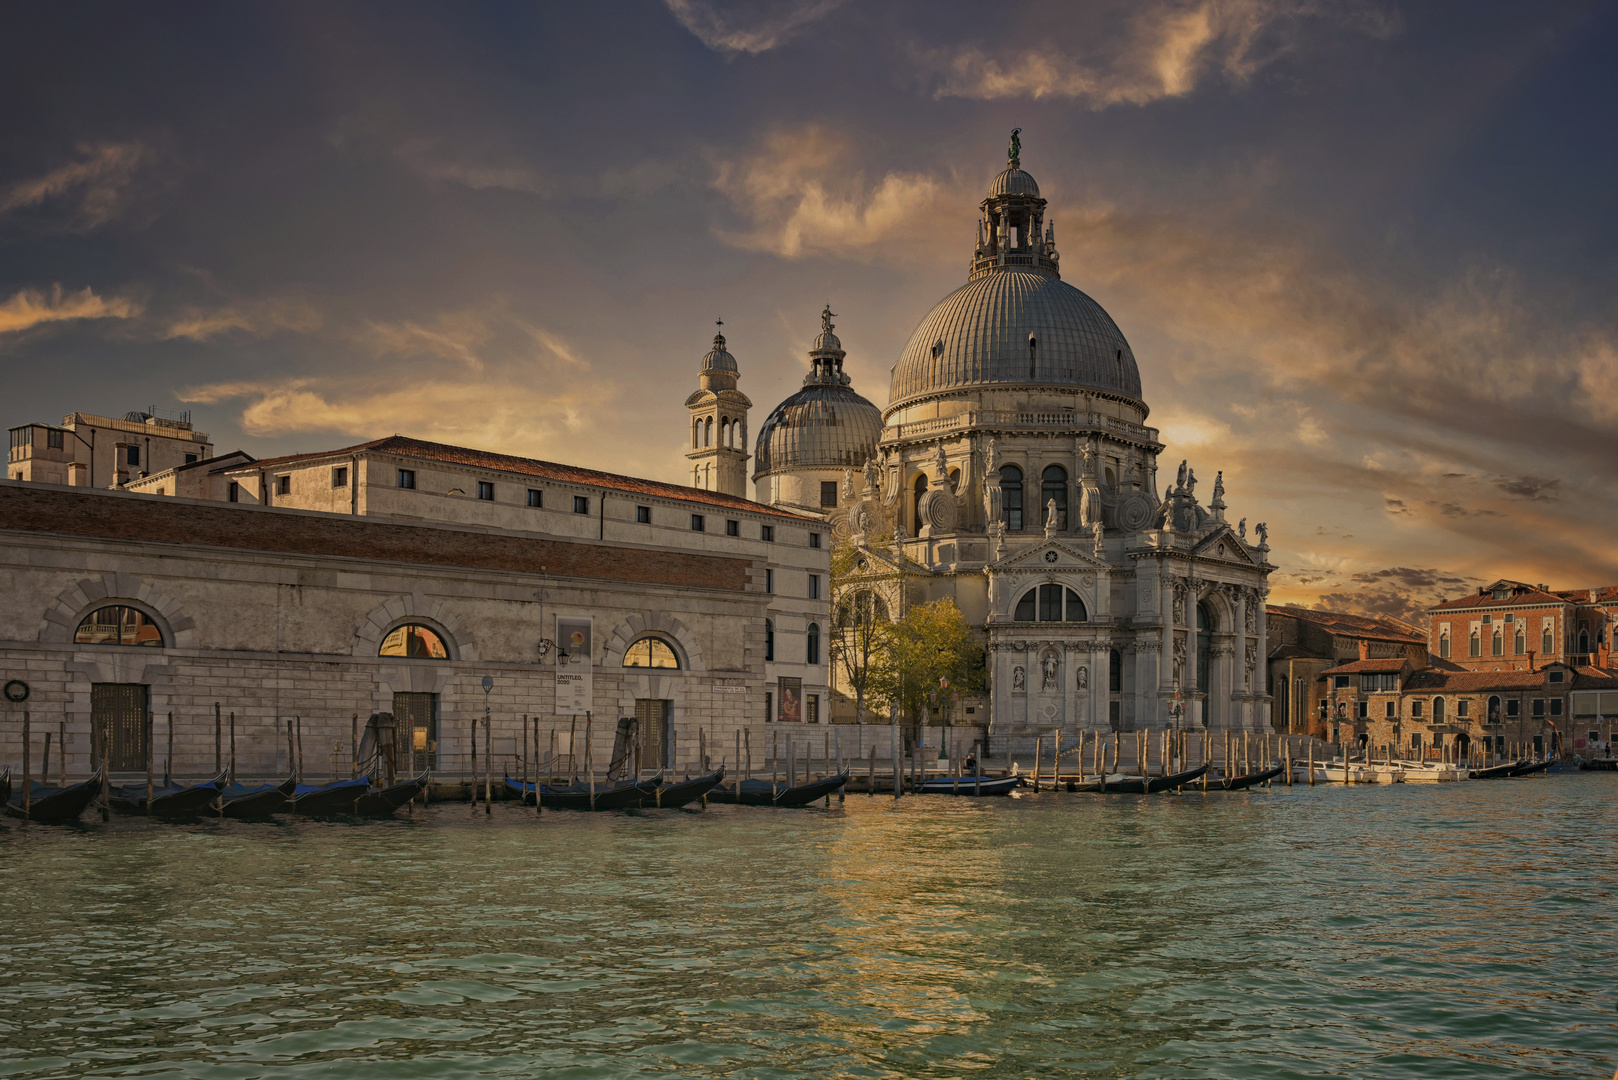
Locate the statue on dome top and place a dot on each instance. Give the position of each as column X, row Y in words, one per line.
column 1015, row 153
column 826, row 318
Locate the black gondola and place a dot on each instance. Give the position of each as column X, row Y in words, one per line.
column 239, row 801
column 765, row 793
column 627, row 795
column 5, row 786
column 382, row 802
column 335, row 798
column 974, row 785
column 169, row 800
column 1529, row 768
column 1145, row 785
column 1495, row 772
column 1242, row 783
column 55, row 805
column 684, row 792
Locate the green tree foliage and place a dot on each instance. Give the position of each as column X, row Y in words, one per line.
column 861, row 629
column 932, row 655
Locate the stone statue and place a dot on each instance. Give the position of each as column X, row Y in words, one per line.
column 1219, row 486
column 1090, row 458
column 1165, row 515
column 1263, row 532
column 1241, row 530
column 873, row 475
column 1083, row 677
column 1179, row 603
column 1047, row 670
column 1050, row 517
column 1252, row 618
column 826, row 318
column 941, row 463
column 848, row 485
column 1018, row 680
column 991, row 458
column 1252, row 662
column 1180, row 478
column 1014, row 154
column 1099, row 531
column 1179, row 660
column 1191, row 483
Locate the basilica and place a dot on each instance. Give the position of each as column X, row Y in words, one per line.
column 1013, row 471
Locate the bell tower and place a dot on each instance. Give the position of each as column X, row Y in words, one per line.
column 718, row 453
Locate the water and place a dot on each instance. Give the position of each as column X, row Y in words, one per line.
column 1465, row 930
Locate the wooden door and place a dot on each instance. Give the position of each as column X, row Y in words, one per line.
column 651, row 727
column 118, row 721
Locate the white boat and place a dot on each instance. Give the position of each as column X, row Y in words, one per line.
column 1358, row 772
column 1432, row 772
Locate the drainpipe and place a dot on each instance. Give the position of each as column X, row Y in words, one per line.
column 354, row 487
column 601, row 509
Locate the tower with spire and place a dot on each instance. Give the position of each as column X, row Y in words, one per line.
column 718, row 453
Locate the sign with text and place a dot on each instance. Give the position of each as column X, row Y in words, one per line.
column 789, row 701
column 575, row 685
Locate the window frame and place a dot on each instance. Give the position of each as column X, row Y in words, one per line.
column 485, row 491
column 828, row 487
column 536, row 498
column 811, row 645
column 766, row 533
column 141, row 618
column 283, row 484
column 407, row 479
column 643, row 515
column 699, row 523
column 652, row 643
column 814, row 586
column 339, row 476
column 581, row 504
column 814, row 540
column 427, row 630
column 769, row 581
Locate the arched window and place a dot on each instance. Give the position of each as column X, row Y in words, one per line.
column 118, row 625
column 1053, row 485
column 1520, row 645
column 1499, row 644
column 1584, row 641
column 1443, row 644
column 650, row 652
column 769, row 640
column 1202, row 678
column 707, row 432
column 1494, row 707
column 416, row 641
column 1011, row 496
column 1050, row 603
column 724, row 431
column 1438, row 710
column 696, row 434
column 1547, row 642
column 1115, row 672
column 915, row 508
column 1475, row 645
column 811, row 653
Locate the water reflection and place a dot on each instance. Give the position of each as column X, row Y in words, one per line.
column 1380, row 932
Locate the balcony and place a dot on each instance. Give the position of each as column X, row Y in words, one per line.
column 1009, row 420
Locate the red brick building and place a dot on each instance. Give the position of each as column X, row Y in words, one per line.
column 1512, row 626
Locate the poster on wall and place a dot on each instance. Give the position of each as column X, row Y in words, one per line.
column 574, row 683
column 790, row 699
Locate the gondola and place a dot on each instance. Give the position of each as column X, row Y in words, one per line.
column 1600, row 764
column 1529, row 768
column 5, row 786
column 766, row 793
column 55, row 805
column 1146, row 785
column 686, row 791
column 1242, row 783
column 334, row 798
column 1495, row 772
column 169, row 800
column 382, row 802
column 239, row 801
column 627, row 795
column 969, row 785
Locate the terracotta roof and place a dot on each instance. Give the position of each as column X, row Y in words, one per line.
column 1375, row 627
column 1381, row 664
column 1604, row 594
column 1295, row 652
column 1593, row 678
column 1473, row 681
column 1522, row 594
column 403, row 446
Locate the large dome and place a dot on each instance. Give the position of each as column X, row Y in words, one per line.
column 1015, row 326
column 825, row 425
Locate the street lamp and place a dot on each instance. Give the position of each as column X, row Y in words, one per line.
column 1176, row 707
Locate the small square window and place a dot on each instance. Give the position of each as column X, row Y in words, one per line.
column 1539, row 706
column 767, row 533
column 190, row 459
column 536, row 497
column 1556, row 706
column 581, row 504
column 339, row 476
column 407, row 478
column 643, row 515
column 233, row 493
column 828, row 493
column 1340, row 682
column 134, row 455
column 733, row 528
column 53, row 439
column 769, row 581
column 485, row 491
column 1463, row 707
column 1513, row 708
column 814, row 540
column 283, row 485
column 814, row 586
column 1555, row 676
column 696, row 523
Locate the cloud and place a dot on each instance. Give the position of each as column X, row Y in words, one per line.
column 81, row 195
column 428, row 159
column 1532, row 488
column 257, row 318
column 804, row 194
column 759, row 28
column 1166, row 50
column 30, row 308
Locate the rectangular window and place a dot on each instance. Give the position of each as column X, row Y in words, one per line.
column 814, row 586
column 1539, row 706
column 767, row 534
column 485, row 491
column 1463, row 707
column 283, row 484
column 233, row 493
column 1475, row 648
column 828, row 493
column 814, row 540
column 190, row 459
column 643, row 515
column 769, row 581
column 697, row 524
column 1415, row 708
column 339, row 476
column 1556, row 706
column 1393, row 709
column 769, row 706
column 1555, row 676
column 536, row 497
column 733, row 528
column 53, row 439
column 407, row 479
column 1443, row 647
column 1365, row 709
column 1340, row 682
column 1514, row 708
column 581, row 504
column 813, row 715
column 134, row 455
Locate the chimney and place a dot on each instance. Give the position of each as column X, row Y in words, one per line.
column 1365, row 649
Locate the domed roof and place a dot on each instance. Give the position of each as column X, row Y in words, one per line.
column 1013, row 182
column 821, row 426
column 718, row 359
column 980, row 335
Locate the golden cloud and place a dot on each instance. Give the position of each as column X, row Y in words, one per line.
column 88, row 192
column 30, row 308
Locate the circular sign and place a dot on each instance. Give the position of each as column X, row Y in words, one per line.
column 16, row 691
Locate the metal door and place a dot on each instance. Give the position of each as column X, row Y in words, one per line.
column 415, row 731
column 118, row 723
column 651, row 726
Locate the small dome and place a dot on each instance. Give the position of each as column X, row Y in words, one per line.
column 821, row 426
column 827, row 342
column 1013, row 182
column 718, row 359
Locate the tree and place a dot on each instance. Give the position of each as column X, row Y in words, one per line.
column 861, row 629
column 931, row 655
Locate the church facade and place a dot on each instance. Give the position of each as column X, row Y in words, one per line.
column 1013, row 471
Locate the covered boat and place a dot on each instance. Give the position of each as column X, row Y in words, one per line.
column 56, row 805
column 382, row 802
column 686, row 791
column 240, row 801
column 1495, row 772
column 169, row 800
column 767, row 793
column 626, row 795
column 970, row 785
column 334, row 798
column 1119, row 784
column 1529, row 768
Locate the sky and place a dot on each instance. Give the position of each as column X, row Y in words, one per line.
column 1365, row 251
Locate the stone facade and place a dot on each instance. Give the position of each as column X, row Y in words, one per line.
column 98, row 451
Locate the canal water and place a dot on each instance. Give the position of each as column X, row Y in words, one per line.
column 1466, row 930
